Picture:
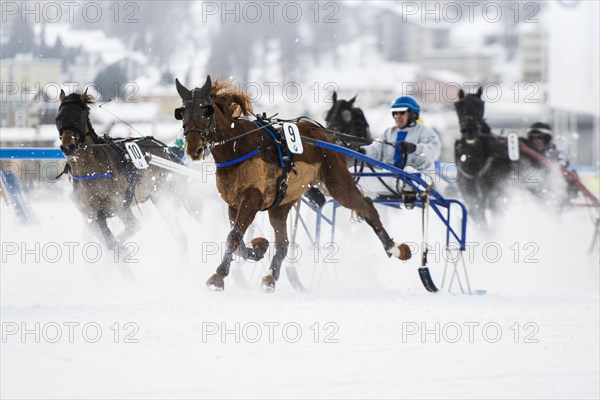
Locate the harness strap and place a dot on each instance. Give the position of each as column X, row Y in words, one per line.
column 133, row 178
column 66, row 170
column 285, row 161
column 239, row 159
column 281, row 189
column 90, row 177
column 476, row 178
column 275, row 139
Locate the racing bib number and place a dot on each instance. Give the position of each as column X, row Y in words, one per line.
column 513, row 146
column 292, row 138
column 137, row 157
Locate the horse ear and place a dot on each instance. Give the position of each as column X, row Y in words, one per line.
column 83, row 96
column 62, row 96
column 334, row 97
column 207, row 85
column 479, row 91
column 461, row 93
column 352, row 100
column 184, row 93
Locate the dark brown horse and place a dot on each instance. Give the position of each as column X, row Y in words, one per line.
column 349, row 123
column 105, row 182
column 252, row 177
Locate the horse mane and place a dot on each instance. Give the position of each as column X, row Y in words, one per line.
column 233, row 103
column 360, row 115
column 85, row 100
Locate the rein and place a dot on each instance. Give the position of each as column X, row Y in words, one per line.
column 269, row 122
column 336, row 133
column 222, row 142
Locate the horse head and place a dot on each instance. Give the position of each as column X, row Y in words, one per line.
column 345, row 118
column 470, row 109
column 198, row 116
column 72, row 121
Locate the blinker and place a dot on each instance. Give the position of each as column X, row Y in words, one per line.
column 71, row 116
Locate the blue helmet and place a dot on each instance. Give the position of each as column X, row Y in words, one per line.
column 404, row 103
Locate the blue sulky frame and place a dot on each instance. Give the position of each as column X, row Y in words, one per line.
column 436, row 202
column 10, row 183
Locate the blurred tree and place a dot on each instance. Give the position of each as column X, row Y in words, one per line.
column 110, row 82
column 20, row 40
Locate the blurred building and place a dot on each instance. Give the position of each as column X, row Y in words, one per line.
column 573, row 78
column 474, row 64
column 23, row 79
column 405, row 39
column 533, row 54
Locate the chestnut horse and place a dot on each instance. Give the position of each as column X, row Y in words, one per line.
column 252, row 174
column 105, row 182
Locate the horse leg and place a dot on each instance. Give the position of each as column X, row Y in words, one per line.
column 131, row 223
column 259, row 244
column 246, row 212
column 472, row 194
column 102, row 226
column 343, row 189
column 278, row 218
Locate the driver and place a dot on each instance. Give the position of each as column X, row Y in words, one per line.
column 408, row 136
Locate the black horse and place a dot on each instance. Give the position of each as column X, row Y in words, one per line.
column 349, row 123
column 349, row 128
column 485, row 169
column 475, row 155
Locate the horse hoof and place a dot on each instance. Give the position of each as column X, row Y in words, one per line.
column 401, row 251
column 215, row 283
column 260, row 245
column 268, row 283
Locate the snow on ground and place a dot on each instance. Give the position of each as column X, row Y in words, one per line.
column 366, row 328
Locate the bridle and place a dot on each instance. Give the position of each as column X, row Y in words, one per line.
column 193, row 106
column 72, row 115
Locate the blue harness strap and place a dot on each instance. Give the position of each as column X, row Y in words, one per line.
column 282, row 163
column 90, row 177
column 277, row 143
column 286, row 162
column 398, row 157
column 238, row 160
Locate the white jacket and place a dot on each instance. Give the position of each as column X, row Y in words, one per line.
column 428, row 149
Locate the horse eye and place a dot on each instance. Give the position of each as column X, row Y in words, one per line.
column 207, row 111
